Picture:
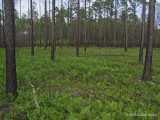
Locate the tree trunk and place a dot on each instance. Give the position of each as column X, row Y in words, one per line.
column 53, row 30
column 100, row 24
column 40, row 32
column 133, row 34
column 142, row 32
column 104, row 29
column 20, row 29
column 71, row 24
column 126, row 40
column 46, row 32
column 115, row 22
column 49, row 25
column 77, row 49
column 11, row 78
column 111, row 36
column 28, row 29
column 89, row 24
column 150, row 38
column 32, row 42
column 68, row 32
column 85, row 34
column 95, row 31
column 61, row 25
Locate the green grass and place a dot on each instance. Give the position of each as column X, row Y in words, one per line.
column 82, row 88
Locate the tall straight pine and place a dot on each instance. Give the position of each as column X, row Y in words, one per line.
column 150, row 38
column 11, row 78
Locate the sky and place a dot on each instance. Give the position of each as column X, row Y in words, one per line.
column 24, row 5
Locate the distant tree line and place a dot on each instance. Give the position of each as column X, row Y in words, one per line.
column 102, row 23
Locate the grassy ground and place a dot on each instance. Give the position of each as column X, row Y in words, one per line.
column 91, row 87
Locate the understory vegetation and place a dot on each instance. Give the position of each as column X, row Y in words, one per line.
column 100, row 84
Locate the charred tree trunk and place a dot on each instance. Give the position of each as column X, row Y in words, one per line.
column 78, row 31
column 45, row 41
column 53, row 30
column 68, row 33
column 142, row 32
column 85, row 34
column 111, row 31
column 133, row 34
column 100, row 24
column 40, row 32
column 115, row 22
column 150, row 39
column 89, row 24
column 126, row 40
column 49, row 25
column 11, row 78
column 20, row 29
column 61, row 25
column 70, row 24
column 32, row 42
column 95, row 31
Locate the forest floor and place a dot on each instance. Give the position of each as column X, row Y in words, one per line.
column 101, row 84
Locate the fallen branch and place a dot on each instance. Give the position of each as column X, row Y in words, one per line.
column 35, row 100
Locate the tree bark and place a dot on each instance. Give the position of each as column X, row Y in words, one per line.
column 53, row 30
column 126, row 40
column 150, row 39
column 49, row 25
column 142, row 32
column 100, row 23
column 32, row 42
column 111, row 31
column 46, row 32
column 68, row 33
column 85, row 34
column 11, row 78
column 95, row 30
column 78, row 31
column 115, row 22
column 40, row 32
column 89, row 24
column 133, row 34
column 61, row 25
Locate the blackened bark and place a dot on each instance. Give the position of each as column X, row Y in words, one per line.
column 85, row 34
column 53, row 30
column 95, row 31
column 142, row 32
column 78, row 31
column 49, row 26
column 11, row 78
column 89, row 23
column 61, row 25
column 68, row 33
column 150, row 38
column 100, row 23
column 126, row 40
column 40, row 31
column 133, row 34
column 32, row 42
column 115, row 22
column 45, row 41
